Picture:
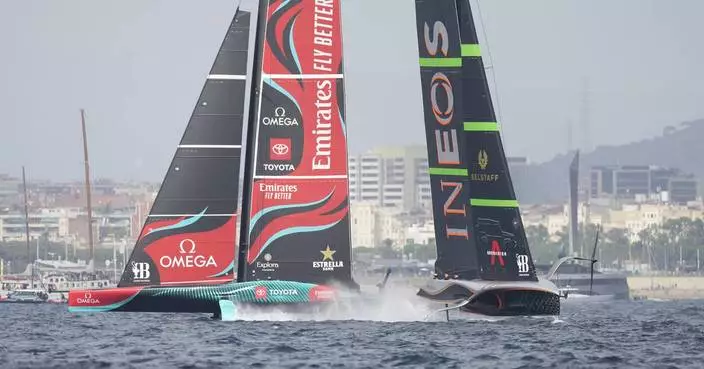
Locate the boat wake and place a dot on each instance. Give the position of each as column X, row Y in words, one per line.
column 397, row 304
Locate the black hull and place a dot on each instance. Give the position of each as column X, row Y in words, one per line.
column 616, row 286
column 495, row 298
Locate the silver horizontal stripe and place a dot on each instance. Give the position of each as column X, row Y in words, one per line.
column 238, row 77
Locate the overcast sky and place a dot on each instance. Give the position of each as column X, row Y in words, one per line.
column 137, row 67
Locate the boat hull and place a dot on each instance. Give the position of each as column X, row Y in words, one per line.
column 198, row 299
column 613, row 285
column 496, row 298
column 10, row 301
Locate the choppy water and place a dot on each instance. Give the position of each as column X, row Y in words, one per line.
column 641, row 334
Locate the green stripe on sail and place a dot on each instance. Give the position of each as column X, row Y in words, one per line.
column 441, row 62
column 481, row 127
column 471, row 50
column 448, row 172
column 494, row 203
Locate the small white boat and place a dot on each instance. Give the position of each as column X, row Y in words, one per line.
column 26, row 296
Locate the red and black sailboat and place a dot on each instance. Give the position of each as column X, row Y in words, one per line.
column 254, row 206
column 484, row 264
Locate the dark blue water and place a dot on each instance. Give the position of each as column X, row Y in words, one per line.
column 641, row 334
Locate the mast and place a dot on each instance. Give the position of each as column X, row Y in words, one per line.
column 88, row 200
column 250, row 139
column 26, row 222
column 573, row 205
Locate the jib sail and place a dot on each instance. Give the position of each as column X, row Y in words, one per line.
column 299, row 225
column 190, row 234
column 442, row 84
column 494, row 245
column 501, row 240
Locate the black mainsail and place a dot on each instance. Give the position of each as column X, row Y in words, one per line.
column 498, row 228
column 190, row 234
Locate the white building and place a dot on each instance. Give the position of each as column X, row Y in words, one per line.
column 391, row 177
column 373, row 224
column 54, row 223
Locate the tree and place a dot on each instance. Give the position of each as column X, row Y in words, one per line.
column 543, row 250
column 420, row 252
column 387, row 250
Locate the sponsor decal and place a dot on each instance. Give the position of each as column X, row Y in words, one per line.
column 260, row 292
column 483, row 162
column 280, row 149
column 267, row 265
column 496, row 253
column 483, row 159
column 328, row 264
column 323, row 27
column 276, row 191
column 88, row 299
column 323, row 125
column 140, row 272
column 283, row 292
column 523, row 266
column 321, row 293
column 442, row 103
column 280, row 119
column 451, row 208
column 187, row 257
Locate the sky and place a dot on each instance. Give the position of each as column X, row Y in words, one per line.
column 626, row 68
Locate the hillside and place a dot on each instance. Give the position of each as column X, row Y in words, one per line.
column 679, row 147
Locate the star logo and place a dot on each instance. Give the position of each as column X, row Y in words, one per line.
column 327, row 253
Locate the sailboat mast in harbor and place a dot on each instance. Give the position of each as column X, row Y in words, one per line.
column 26, row 224
column 88, row 200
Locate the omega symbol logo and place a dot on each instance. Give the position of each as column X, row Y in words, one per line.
column 185, row 242
column 280, row 112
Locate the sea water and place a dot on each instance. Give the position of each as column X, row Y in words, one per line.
column 620, row 334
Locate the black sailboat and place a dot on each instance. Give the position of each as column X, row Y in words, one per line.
column 270, row 116
column 484, row 264
column 576, row 276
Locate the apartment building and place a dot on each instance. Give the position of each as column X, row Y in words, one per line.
column 391, row 177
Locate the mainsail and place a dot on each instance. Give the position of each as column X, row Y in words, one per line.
column 299, row 213
column 190, row 234
column 479, row 231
